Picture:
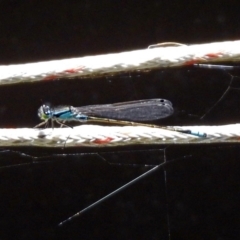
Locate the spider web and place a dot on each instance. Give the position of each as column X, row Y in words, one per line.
column 187, row 196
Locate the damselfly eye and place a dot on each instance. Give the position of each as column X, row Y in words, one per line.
column 46, row 109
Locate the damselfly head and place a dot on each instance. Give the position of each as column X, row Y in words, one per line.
column 45, row 112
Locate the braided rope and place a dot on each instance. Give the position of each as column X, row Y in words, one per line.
column 93, row 66
column 99, row 136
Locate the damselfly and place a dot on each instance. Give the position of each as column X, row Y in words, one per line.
column 140, row 110
column 124, row 113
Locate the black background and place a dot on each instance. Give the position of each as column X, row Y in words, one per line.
column 197, row 197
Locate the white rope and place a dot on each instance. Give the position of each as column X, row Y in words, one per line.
column 102, row 136
column 93, row 66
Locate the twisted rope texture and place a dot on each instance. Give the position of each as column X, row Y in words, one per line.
column 93, row 66
column 99, row 136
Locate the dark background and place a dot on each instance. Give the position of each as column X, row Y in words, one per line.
column 195, row 196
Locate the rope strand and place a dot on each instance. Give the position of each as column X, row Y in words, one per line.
column 102, row 136
column 109, row 64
